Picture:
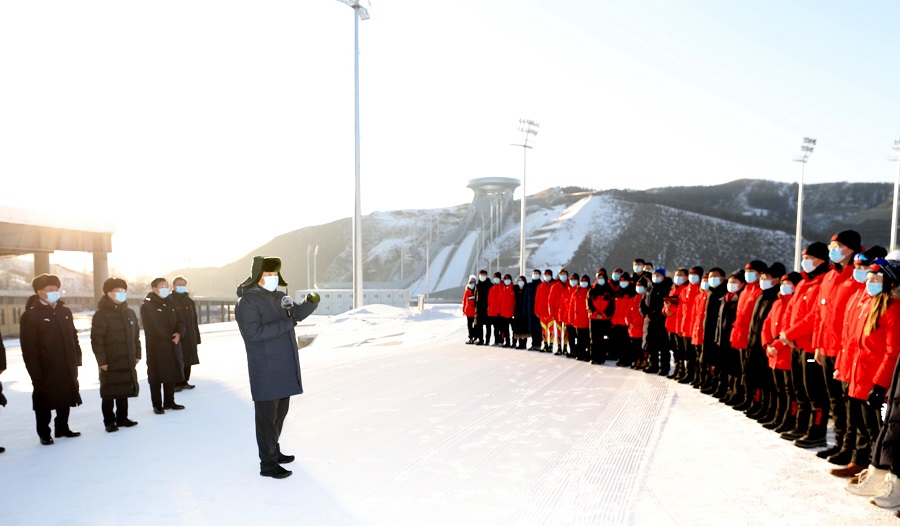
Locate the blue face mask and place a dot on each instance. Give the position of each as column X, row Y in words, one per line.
column 616, row 276
column 601, row 281
column 563, row 277
column 874, row 289
column 807, row 265
column 585, row 284
column 694, row 279
column 704, row 285
column 163, row 293
column 640, row 290
column 121, row 297
column 520, row 283
column 751, row 277
column 270, row 283
column 836, row 255
column 859, row 274
column 624, row 284
column 507, row 281
column 715, row 281
column 53, row 297
column 181, row 289
column 535, row 277
column 787, row 289
column 573, row 283
column 472, row 286
column 656, row 279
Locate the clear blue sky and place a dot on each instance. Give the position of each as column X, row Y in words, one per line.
column 219, row 125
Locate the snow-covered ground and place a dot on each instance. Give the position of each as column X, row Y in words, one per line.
column 403, row 424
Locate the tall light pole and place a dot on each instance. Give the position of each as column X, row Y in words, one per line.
column 805, row 149
column 309, row 249
column 529, row 128
column 896, row 196
column 315, row 282
column 359, row 13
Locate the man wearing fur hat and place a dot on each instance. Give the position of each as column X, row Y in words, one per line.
column 116, row 342
column 52, row 356
column 266, row 319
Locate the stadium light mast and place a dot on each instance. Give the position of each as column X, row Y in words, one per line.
column 805, row 150
column 359, row 13
column 529, row 128
column 896, row 196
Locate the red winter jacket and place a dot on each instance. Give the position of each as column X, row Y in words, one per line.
column 803, row 318
column 672, row 308
column 772, row 327
column 562, row 303
column 620, row 314
column 698, row 315
column 507, row 298
column 740, row 331
column 553, row 299
column 578, row 310
column 836, row 289
column 541, row 301
column 468, row 303
column 856, row 311
column 633, row 316
column 686, row 311
column 494, row 300
column 874, row 364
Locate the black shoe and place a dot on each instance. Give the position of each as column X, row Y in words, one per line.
column 534, row 348
column 825, row 453
column 470, row 341
column 178, row 388
column 172, row 406
column 276, row 473
column 479, row 342
column 662, row 372
column 158, row 411
column 743, row 404
column 652, row 370
column 841, row 458
column 111, row 428
column 285, row 459
column 793, row 434
column 806, row 442
column 46, row 440
column 2, row 449
column 126, row 423
column 67, row 434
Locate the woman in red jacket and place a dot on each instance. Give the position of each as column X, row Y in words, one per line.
column 493, row 309
column 698, row 318
column 619, row 338
column 636, row 323
column 468, row 308
column 579, row 319
column 542, row 310
column 780, row 356
column 507, row 298
column 601, row 308
column 554, row 301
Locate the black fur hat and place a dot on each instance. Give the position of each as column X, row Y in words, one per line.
column 264, row 264
column 39, row 282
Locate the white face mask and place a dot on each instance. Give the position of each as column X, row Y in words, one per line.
column 548, row 278
column 616, row 276
column 657, row 279
column 573, row 282
column 704, row 285
column 520, row 283
column 787, row 289
column 270, row 283
column 679, row 280
column 733, row 287
column 507, row 281
column 164, row 292
column 766, row 284
column 535, row 276
column 715, row 281
column 694, row 279
column 640, row 290
column 585, row 284
column 807, row 265
column 637, row 269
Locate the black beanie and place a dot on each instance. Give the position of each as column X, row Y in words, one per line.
column 697, row 270
column 756, row 265
column 793, row 277
column 39, row 282
column 867, row 257
column 114, row 283
column 738, row 274
column 817, row 250
column 849, row 238
column 777, row 270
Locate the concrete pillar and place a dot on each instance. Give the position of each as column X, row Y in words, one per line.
column 101, row 272
column 41, row 263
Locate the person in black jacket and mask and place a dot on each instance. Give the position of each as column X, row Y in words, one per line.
column 483, row 324
column 186, row 309
column 709, row 354
column 163, row 330
column 2, row 368
column 655, row 336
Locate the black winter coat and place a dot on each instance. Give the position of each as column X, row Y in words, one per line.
column 187, row 311
column 757, row 373
column 520, row 325
column 165, row 363
column 51, row 353
column 710, row 353
column 655, row 334
column 116, row 342
column 481, row 301
column 534, row 323
column 2, row 368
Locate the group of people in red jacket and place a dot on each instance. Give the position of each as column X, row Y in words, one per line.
column 792, row 350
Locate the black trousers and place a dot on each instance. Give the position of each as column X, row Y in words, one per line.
column 836, row 402
column 187, row 374
column 42, row 419
column 270, row 417
column 816, row 392
column 485, row 329
column 804, row 407
column 537, row 335
column 599, row 329
column 470, row 326
column 168, row 394
column 866, row 420
column 676, row 343
column 580, row 342
column 501, row 329
column 114, row 417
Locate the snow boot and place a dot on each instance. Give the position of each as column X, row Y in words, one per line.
column 889, row 496
column 790, row 419
column 868, row 482
column 847, row 471
column 840, row 458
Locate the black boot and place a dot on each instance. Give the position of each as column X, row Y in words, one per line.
column 790, row 418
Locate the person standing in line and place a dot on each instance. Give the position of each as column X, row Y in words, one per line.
column 468, row 308
column 163, row 329
column 482, row 319
column 2, row 368
column 780, row 357
column 618, row 333
column 730, row 387
column 542, row 309
column 695, row 330
column 876, row 366
column 809, row 384
column 521, row 315
column 554, row 299
column 857, row 305
column 636, row 324
column 266, row 318
column 683, row 326
column 672, row 313
column 758, row 379
column 494, row 308
column 655, row 336
column 531, row 310
column 637, row 267
column 834, row 293
column 52, row 356
column 116, row 342
column 507, row 310
column 710, row 357
column 185, row 308
column 579, row 321
column 601, row 305
column 741, row 330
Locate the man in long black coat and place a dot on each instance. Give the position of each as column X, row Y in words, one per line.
column 534, row 322
column 162, row 330
column 52, row 356
column 190, row 340
column 482, row 319
column 116, row 342
column 656, row 338
column 266, row 319
column 2, row 368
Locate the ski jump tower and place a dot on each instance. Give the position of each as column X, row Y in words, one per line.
column 489, row 212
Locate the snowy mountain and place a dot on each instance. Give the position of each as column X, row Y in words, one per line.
column 580, row 229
